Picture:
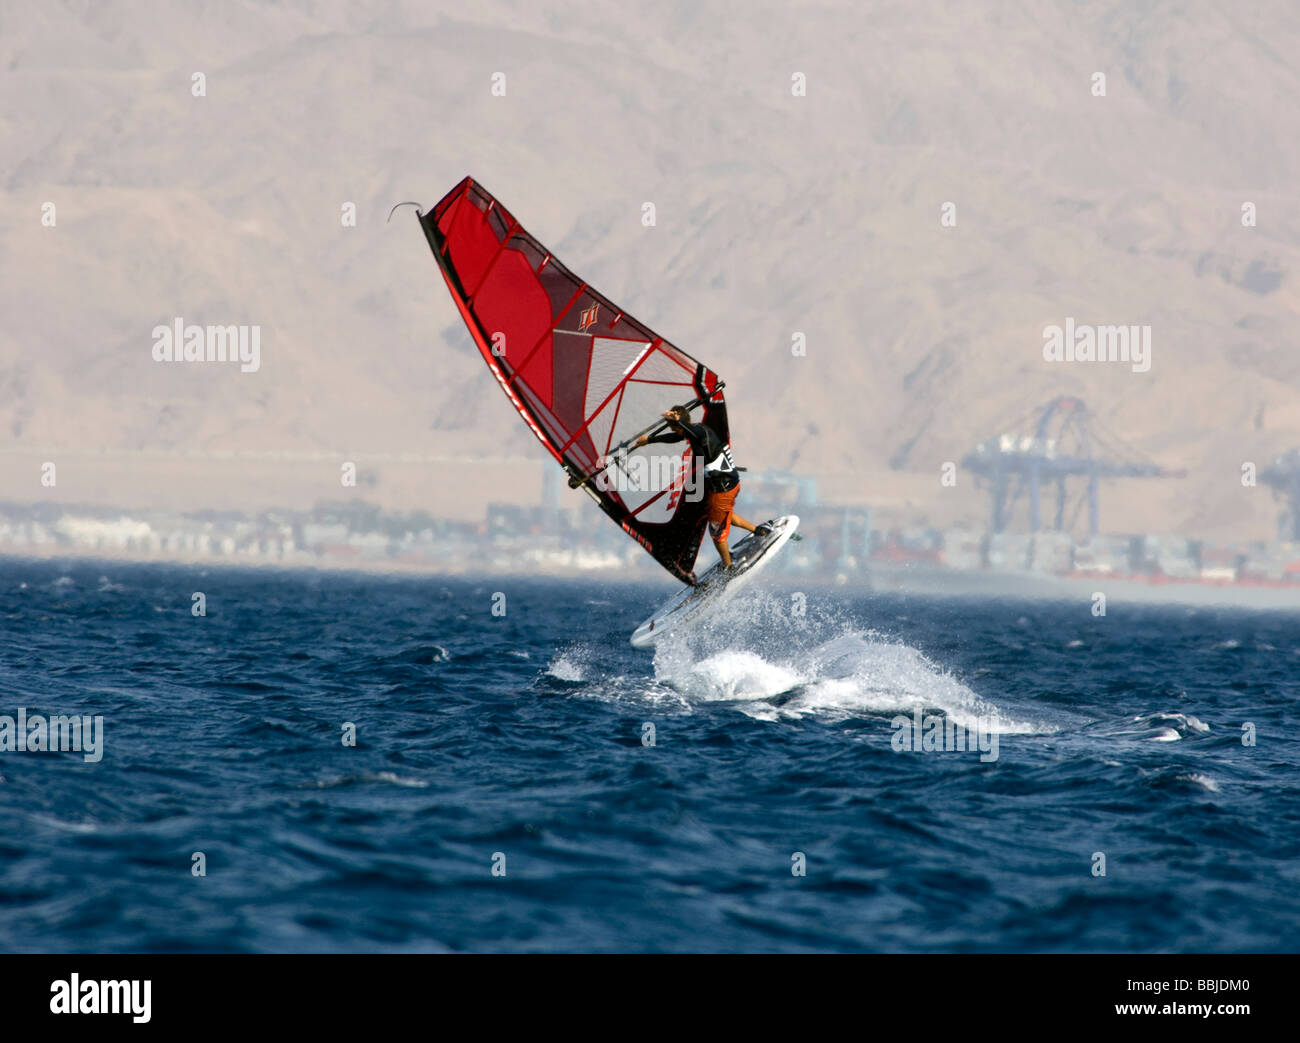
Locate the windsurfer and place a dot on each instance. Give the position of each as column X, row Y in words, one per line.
column 721, row 479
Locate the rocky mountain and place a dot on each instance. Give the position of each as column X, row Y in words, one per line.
column 800, row 161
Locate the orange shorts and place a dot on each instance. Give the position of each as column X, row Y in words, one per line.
column 720, row 508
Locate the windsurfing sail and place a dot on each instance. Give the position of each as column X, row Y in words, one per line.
column 586, row 377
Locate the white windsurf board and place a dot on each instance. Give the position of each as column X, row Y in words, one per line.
column 692, row 604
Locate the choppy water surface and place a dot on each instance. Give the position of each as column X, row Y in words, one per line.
column 523, row 741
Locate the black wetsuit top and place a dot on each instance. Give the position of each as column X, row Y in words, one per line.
column 720, row 473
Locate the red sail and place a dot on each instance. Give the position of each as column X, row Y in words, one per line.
column 585, row 376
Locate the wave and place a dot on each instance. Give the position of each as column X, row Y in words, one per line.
column 774, row 662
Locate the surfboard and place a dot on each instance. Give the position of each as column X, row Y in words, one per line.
column 693, row 604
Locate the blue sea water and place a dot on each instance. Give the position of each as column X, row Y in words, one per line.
column 521, row 742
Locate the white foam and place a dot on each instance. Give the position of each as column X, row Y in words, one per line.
column 753, row 657
column 399, row 780
column 1170, row 727
column 567, row 669
column 734, row 675
column 1196, row 778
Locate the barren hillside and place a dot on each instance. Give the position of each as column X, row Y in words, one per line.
column 775, row 213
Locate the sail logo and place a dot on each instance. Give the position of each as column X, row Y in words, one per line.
column 588, row 318
column 181, row 343
column 1083, row 343
column 638, row 537
column 723, row 463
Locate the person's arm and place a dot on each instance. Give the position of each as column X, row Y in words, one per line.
column 675, row 433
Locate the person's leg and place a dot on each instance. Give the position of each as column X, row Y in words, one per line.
column 724, row 552
column 737, row 520
column 720, row 518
